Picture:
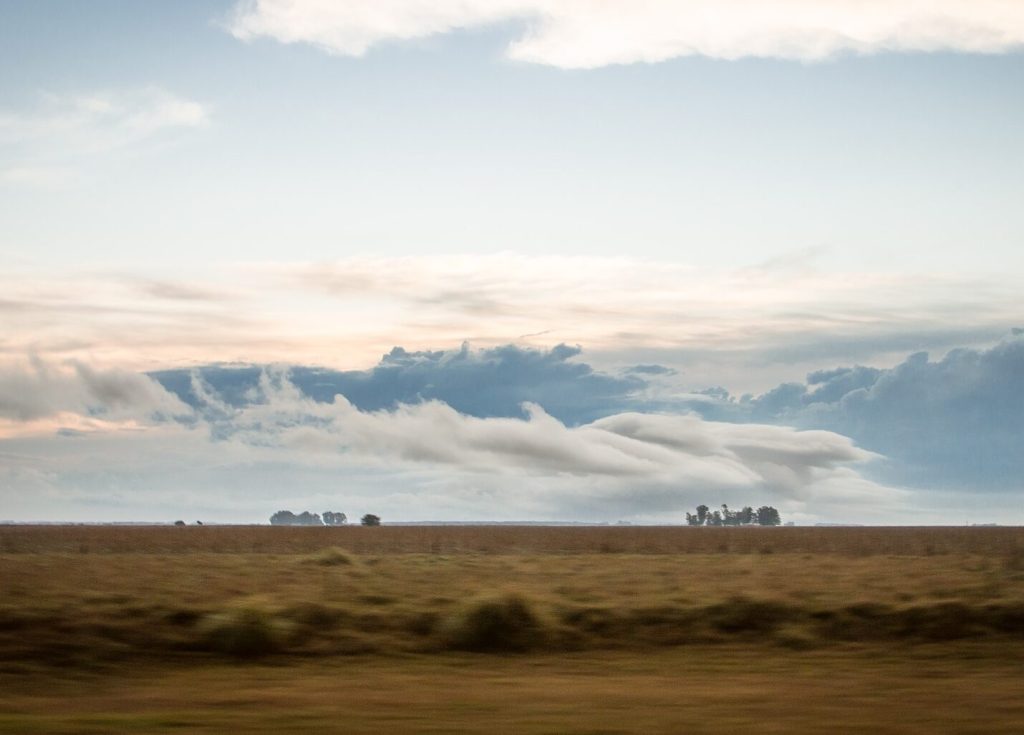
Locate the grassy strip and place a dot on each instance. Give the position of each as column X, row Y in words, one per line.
column 925, row 541
column 497, row 623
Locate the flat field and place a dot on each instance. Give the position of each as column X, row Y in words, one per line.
column 511, row 629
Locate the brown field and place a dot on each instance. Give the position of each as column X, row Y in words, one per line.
column 511, row 629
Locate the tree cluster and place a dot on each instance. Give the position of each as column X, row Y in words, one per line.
column 329, row 518
column 305, row 518
column 763, row 516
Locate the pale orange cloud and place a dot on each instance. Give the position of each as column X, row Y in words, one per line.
column 348, row 312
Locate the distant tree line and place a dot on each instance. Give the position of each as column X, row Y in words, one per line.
column 287, row 518
column 329, row 518
column 766, row 515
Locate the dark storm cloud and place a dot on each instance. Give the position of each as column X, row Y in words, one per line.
column 955, row 422
column 481, row 383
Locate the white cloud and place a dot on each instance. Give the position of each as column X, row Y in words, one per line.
column 158, row 110
column 594, row 33
column 681, row 451
column 40, row 389
column 428, row 460
column 101, row 120
column 43, row 146
column 632, row 453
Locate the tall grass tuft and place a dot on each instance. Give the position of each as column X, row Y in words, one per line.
column 243, row 632
column 505, row 623
column 332, row 556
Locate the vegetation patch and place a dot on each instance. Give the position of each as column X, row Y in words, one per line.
column 315, row 615
column 159, row 593
column 796, row 637
column 745, row 615
column 332, row 556
column 243, row 632
column 505, row 623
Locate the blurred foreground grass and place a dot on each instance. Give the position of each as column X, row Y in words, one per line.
column 511, row 630
column 967, row 688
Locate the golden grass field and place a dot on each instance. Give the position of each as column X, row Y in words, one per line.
column 511, row 629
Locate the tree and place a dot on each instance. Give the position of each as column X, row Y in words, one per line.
column 284, row 518
column 370, row 520
column 729, row 518
column 768, row 516
column 334, row 519
column 179, row 523
column 763, row 516
column 287, row 518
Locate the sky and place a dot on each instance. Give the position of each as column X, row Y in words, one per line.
column 545, row 260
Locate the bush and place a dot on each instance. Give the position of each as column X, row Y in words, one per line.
column 503, row 624
column 245, row 632
column 332, row 556
column 315, row 615
column 744, row 615
column 943, row 621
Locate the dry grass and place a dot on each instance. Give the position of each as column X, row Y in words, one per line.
column 86, row 594
column 921, row 541
column 717, row 690
column 703, row 630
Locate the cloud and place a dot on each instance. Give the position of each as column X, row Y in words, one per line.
column 665, row 461
column 681, row 450
column 650, row 370
column 37, row 389
column 43, row 146
column 927, row 440
column 101, row 120
column 484, row 382
column 955, row 422
column 736, row 323
column 241, row 461
column 120, row 319
column 174, row 291
column 584, row 34
column 744, row 329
